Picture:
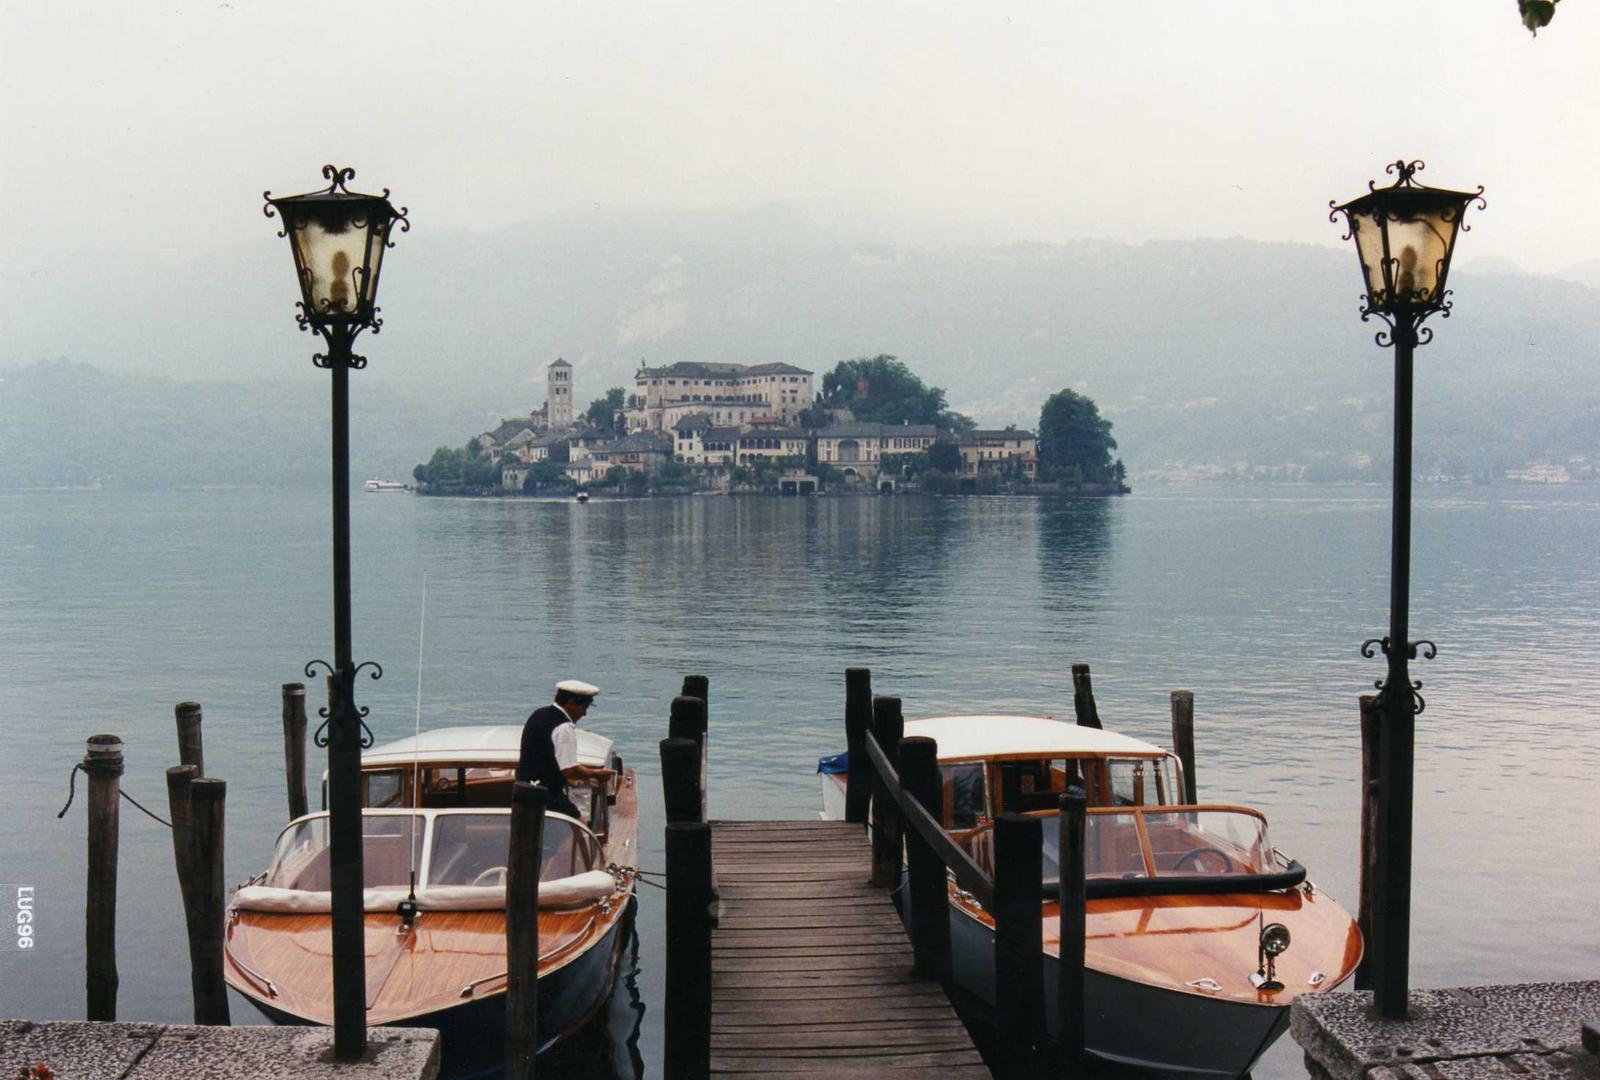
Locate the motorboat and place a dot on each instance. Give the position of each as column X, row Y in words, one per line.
column 1199, row 932
column 437, row 811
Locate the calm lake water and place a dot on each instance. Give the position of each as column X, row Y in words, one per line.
column 114, row 606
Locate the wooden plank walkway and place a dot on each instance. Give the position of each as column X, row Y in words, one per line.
column 811, row 970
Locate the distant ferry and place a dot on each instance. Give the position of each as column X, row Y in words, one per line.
column 384, row 485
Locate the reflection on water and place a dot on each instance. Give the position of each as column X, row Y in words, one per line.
column 114, row 607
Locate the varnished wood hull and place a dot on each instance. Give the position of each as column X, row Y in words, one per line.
column 472, row 1034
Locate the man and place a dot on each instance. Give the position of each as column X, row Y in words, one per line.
column 550, row 746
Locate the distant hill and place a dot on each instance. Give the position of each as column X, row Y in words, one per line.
column 1218, row 352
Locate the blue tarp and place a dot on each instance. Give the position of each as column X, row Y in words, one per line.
column 834, row 763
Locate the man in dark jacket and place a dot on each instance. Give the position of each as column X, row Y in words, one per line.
column 550, row 746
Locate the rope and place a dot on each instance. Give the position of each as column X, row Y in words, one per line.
column 72, row 793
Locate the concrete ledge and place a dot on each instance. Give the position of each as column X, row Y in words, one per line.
column 79, row 1050
column 1467, row 1033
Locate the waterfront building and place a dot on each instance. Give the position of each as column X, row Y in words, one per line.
column 512, row 474
column 771, row 444
column 985, row 451
column 641, row 452
column 493, row 442
column 862, row 449
column 729, row 393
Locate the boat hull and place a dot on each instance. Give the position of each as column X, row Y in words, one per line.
column 1128, row 1022
column 472, row 1034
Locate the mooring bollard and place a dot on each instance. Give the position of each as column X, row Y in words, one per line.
column 888, row 727
column 1083, row 697
column 190, row 748
column 857, row 722
column 1183, row 742
column 688, row 720
column 528, row 804
column 294, row 746
column 927, row 895
column 204, row 914
column 1070, row 998
column 1019, row 934
column 688, row 997
column 680, row 779
column 102, row 764
column 1371, row 781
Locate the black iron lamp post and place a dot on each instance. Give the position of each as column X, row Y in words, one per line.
column 1404, row 236
column 338, row 237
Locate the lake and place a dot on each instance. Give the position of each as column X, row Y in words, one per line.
column 115, row 606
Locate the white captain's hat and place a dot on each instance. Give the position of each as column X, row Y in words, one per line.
column 577, row 688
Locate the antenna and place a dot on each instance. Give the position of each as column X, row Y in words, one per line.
column 408, row 907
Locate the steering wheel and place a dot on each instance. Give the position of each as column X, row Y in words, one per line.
column 496, row 875
column 1191, row 860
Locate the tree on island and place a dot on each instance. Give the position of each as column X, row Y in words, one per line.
column 883, row 390
column 453, row 470
column 944, row 456
column 605, row 413
column 1075, row 441
column 542, row 474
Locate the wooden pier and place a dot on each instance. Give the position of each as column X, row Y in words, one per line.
column 811, row 970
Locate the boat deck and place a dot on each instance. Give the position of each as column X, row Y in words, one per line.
column 811, row 967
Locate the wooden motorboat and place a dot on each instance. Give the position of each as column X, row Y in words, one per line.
column 1178, row 895
column 438, row 805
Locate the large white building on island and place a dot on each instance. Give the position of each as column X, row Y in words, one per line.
column 729, row 394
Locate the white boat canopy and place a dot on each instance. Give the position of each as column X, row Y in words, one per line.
column 497, row 744
column 987, row 735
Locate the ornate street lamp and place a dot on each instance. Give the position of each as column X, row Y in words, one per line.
column 338, row 237
column 1405, row 235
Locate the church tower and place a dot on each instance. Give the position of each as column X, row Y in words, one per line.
column 558, row 395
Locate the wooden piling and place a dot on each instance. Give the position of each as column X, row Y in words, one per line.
column 888, row 727
column 688, row 721
column 1019, row 935
column 179, row 780
column 294, row 746
column 190, row 750
column 1083, row 697
column 206, row 908
column 680, row 779
column 1070, row 999
column 697, row 686
column 1371, row 718
column 688, row 977
column 102, row 764
column 857, row 722
column 528, row 804
column 1183, row 741
column 927, row 895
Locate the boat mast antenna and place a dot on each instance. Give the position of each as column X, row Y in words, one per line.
column 408, row 907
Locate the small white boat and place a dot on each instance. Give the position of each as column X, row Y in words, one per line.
column 583, row 496
column 384, row 485
column 1180, row 897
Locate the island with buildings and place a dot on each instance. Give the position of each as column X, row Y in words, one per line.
column 724, row 427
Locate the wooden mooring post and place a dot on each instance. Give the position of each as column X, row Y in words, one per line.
column 927, row 899
column 857, row 722
column 294, row 746
column 190, row 747
column 688, row 720
column 205, row 906
column 1083, row 697
column 888, row 727
column 1183, row 741
column 688, row 976
column 697, row 686
column 102, row 764
column 1371, row 718
column 680, row 780
column 528, row 804
column 1070, row 997
column 1019, row 937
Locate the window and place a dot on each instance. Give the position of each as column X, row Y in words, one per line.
column 965, row 801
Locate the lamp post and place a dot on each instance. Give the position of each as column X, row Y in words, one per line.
column 337, row 238
column 1404, row 236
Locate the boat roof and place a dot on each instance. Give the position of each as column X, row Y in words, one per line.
column 994, row 735
column 482, row 744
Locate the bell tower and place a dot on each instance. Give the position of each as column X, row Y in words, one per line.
column 558, row 395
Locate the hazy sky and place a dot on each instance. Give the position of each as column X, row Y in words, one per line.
column 155, row 125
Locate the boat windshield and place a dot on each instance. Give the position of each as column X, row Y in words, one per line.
column 1168, row 843
column 447, row 848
